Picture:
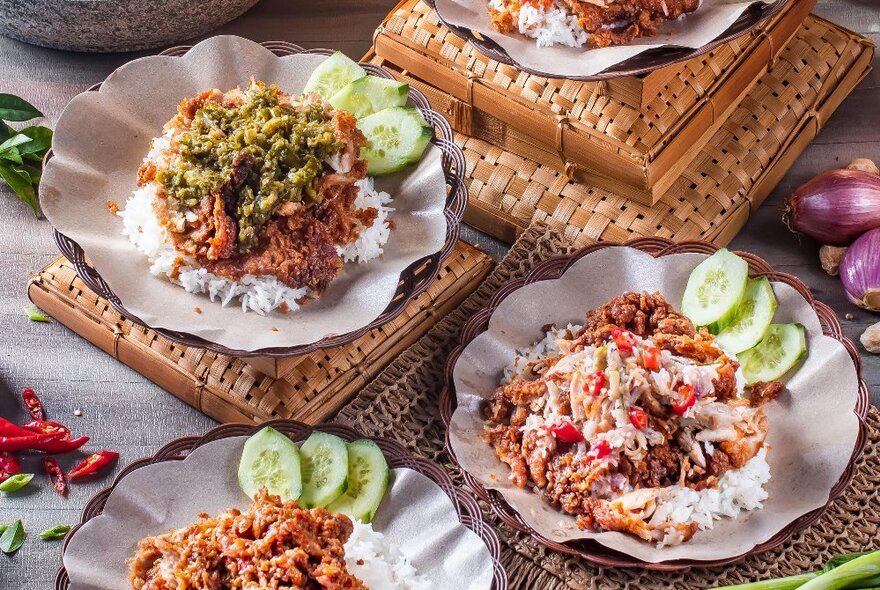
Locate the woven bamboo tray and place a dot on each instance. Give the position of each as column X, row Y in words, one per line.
column 594, row 138
column 309, row 388
column 729, row 178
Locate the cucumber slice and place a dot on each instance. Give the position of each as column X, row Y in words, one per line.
column 397, row 137
column 369, row 95
column 751, row 319
column 270, row 459
column 367, row 481
column 324, row 469
column 782, row 347
column 715, row 288
column 333, row 74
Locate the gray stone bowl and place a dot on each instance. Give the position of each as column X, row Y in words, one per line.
column 106, row 26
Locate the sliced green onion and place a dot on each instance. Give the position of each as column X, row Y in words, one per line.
column 789, row 583
column 16, row 482
column 861, row 572
column 56, row 532
column 35, row 315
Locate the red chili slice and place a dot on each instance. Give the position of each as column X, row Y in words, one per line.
column 93, row 464
column 9, row 466
column 651, row 357
column 624, row 340
column 47, row 427
column 599, row 450
column 686, row 401
column 639, row 418
column 595, row 382
column 33, row 404
column 566, row 432
column 56, row 476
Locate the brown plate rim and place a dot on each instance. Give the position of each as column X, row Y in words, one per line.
column 414, row 279
column 591, row 550
column 469, row 513
column 643, row 63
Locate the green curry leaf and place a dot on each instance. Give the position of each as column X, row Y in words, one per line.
column 13, row 108
column 39, row 140
column 11, row 154
column 12, row 538
column 14, row 141
column 20, row 181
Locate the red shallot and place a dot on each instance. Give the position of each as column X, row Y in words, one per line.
column 860, row 271
column 835, row 207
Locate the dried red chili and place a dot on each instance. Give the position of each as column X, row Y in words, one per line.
column 56, row 476
column 93, row 464
column 47, row 427
column 33, row 404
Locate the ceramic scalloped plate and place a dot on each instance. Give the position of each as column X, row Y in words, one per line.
column 100, row 141
column 168, row 490
column 809, row 466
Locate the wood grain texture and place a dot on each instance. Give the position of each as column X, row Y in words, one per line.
column 124, row 412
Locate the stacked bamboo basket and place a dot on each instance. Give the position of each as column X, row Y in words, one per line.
column 685, row 152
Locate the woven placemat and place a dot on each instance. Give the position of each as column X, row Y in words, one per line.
column 314, row 386
column 402, row 404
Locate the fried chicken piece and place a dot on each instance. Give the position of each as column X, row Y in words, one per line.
column 618, row 22
column 643, row 314
column 699, row 347
column 271, row 545
column 301, row 253
column 507, row 441
column 764, row 391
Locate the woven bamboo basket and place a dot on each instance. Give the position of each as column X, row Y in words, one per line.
column 578, row 127
column 310, row 388
column 727, row 180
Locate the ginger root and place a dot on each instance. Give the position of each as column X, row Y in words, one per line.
column 871, row 338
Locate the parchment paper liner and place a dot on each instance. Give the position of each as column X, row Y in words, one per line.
column 151, row 497
column 694, row 30
column 131, row 107
column 806, row 462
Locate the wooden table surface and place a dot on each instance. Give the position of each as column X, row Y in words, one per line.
column 123, row 411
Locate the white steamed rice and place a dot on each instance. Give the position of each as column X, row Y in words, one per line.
column 379, row 564
column 261, row 294
column 553, row 26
